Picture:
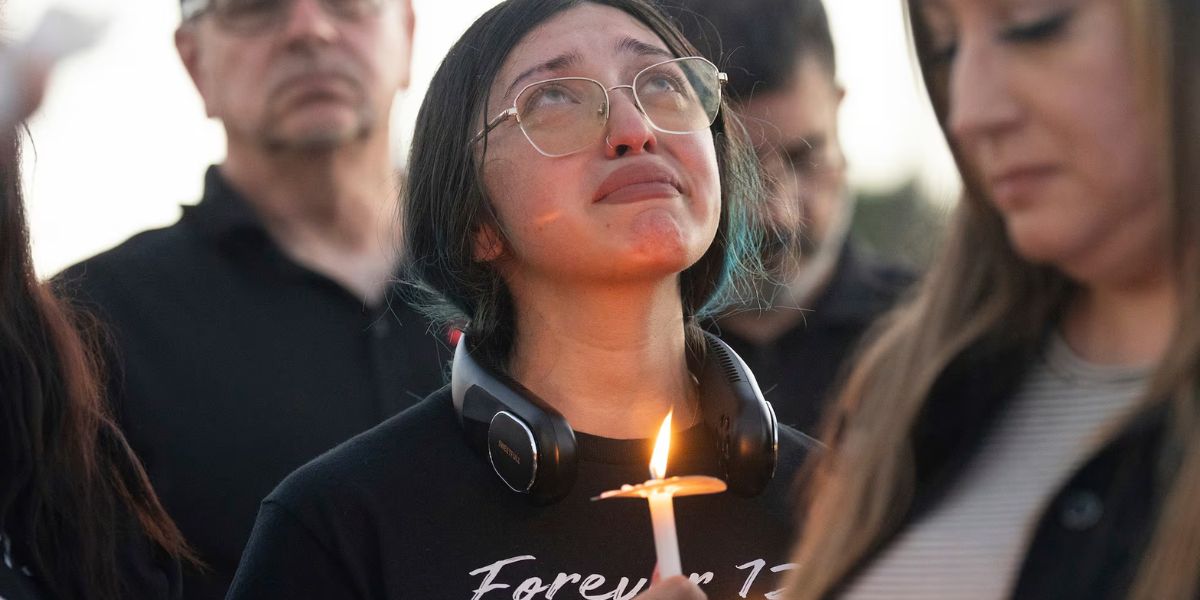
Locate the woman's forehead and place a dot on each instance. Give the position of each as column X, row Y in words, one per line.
column 587, row 35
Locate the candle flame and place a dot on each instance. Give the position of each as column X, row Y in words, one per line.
column 662, row 446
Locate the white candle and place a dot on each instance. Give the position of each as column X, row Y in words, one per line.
column 659, row 491
column 666, row 545
column 662, row 509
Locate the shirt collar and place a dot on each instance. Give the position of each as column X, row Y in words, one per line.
column 223, row 213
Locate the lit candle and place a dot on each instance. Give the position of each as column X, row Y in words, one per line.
column 662, row 508
column 660, row 491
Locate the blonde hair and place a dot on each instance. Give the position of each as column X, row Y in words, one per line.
column 979, row 292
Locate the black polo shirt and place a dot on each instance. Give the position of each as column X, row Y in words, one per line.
column 233, row 365
column 799, row 369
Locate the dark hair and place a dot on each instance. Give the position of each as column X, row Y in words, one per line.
column 71, row 490
column 758, row 42
column 445, row 202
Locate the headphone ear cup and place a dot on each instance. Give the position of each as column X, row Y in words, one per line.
column 529, row 445
column 753, row 453
column 743, row 421
column 513, row 452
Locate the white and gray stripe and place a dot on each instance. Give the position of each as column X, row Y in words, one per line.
column 971, row 544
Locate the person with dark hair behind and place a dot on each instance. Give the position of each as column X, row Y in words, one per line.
column 577, row 200
column 824, row 290
column 78, row 519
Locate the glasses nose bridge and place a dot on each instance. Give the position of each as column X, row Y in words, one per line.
column 608, row 93
column 627, row 86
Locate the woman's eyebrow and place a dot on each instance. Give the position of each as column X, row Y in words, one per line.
column 567, row 59
column 640, row 48
column 561, row 61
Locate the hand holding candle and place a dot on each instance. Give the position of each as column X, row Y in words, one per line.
column 659, row 491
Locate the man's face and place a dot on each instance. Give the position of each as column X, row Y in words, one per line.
column 795, row 133
column 315, row 77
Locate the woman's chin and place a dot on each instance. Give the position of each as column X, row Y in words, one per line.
column 1044, row 247
column 663, row 243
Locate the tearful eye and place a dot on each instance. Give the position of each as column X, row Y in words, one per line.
column 662, row 84
column 549, row 97
column 553, row 96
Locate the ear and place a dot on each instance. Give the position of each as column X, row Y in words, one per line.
column 488, row 246
column 188, row 46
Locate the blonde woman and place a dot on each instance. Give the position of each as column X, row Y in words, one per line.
column 1028, row 426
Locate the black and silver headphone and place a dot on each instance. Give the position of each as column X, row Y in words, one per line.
column 532, row 447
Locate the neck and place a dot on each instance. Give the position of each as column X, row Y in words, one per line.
column 1130, row 324
column 332, row 211
column 613, row 362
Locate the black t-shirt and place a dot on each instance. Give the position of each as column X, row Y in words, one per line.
column 408, row 511
column 233, row 365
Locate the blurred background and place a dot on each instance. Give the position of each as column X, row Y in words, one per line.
column 122, row 142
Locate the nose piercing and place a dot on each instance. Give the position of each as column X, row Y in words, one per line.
column 606, row 142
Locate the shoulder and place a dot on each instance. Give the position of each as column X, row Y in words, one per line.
column 863, row 287
column 142, row 259
column 883, row 278
column 421, row 444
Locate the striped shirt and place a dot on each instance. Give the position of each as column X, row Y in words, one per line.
column 971, row 544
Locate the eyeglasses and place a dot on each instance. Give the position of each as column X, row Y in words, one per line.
column 257, row 16
column 564, row 115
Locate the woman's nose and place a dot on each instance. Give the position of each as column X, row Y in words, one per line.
column 981, row 101
column 629, row 131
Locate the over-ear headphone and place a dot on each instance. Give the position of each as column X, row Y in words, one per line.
column 532, row 447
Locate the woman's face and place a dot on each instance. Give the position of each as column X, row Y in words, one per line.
column 636, row 205
column 1044, row 107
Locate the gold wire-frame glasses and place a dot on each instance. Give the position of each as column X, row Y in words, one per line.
column 257, row 16
column 563, row 115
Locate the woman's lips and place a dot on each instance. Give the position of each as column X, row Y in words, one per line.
column 636, row 183
column 636, row 192
column 1014, row 187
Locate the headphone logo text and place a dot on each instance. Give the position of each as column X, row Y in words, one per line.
column 509, row 451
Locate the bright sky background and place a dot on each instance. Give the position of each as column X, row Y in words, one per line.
column 121, row 141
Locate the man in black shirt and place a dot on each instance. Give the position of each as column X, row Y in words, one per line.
column 780, row 57
column 260, row 330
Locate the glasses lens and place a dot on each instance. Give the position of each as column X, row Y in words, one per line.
column 352, row 9
column 679, row 95
column 259, row 15
column 248, row 15
column 561, row 116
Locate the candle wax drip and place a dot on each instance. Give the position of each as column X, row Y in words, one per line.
column 690, row 485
